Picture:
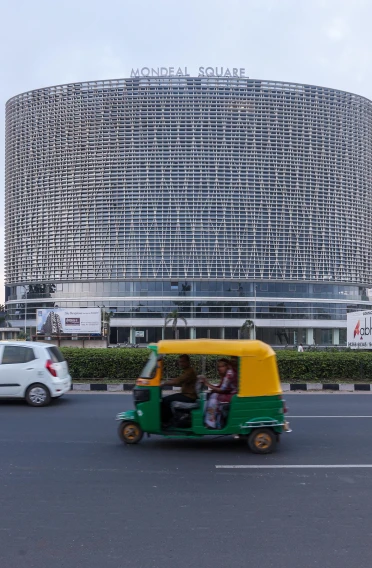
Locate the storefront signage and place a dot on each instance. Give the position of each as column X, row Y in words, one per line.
column 359, row 330
column 183, row 72
column 139, row 334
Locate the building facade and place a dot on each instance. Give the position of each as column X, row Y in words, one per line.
column 224, row 199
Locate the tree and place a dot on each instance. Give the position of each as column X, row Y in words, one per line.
column 174, row 317
column 2, row 315
column 245, row 330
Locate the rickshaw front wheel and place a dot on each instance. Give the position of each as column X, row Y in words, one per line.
column 262, row 441
column 130, row 432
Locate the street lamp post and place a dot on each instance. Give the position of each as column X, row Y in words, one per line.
column 104, row 322
column 255, row 309
column 25, row 312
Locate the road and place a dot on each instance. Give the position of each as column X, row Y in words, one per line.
column 71, row 495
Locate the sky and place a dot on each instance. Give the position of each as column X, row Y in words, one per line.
column 42, row 43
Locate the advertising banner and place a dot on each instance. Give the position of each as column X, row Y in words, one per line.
column 359, row 330
column 55, row 321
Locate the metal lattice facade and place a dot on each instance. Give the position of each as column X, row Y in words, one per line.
column 188, row 179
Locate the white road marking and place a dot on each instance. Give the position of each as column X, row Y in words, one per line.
column 297, row 466
column 328, row 416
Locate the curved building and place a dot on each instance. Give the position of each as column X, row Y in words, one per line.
column 225, row 199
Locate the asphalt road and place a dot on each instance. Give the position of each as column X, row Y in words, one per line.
column 71, row 495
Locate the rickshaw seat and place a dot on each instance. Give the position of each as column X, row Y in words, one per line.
column 190, row 405
column 185, row 405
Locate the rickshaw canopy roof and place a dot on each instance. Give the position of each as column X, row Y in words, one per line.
column 228, row 347
column 258, row 371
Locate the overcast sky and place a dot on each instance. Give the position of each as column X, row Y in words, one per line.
column 322, row 42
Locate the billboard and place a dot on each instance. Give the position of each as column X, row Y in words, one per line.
column 359, row 330
column 55, row 321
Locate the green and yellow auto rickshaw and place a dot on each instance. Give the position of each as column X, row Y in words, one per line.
column 256, row 412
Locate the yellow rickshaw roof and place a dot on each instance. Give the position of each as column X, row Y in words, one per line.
column 258, row 371
column 231, row 347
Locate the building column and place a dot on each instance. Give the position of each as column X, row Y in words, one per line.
column 222, row 333
column 132, row 335
column 336, row 336
column 192, row 333
column 309, row 336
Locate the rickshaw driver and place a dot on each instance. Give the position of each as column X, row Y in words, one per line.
column 187, row 381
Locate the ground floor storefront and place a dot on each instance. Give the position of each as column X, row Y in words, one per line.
column 276, row 336
column 278, row 313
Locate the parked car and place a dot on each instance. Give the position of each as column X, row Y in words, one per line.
column 35, row 371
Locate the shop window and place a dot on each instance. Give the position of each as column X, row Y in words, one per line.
column 201, row 333
column 231, row 332
column 342, row 336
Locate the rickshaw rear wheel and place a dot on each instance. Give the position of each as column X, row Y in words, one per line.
column 130, row 432
column 262, row 441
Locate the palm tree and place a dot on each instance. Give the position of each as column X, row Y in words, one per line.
column 245, row 330
column 173, row 317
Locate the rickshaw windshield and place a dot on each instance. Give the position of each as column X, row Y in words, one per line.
column 148, row 372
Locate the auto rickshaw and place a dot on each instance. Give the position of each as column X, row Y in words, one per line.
column 256, row 413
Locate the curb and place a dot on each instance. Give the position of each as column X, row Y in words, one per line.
column 316, row 387
column 109, row 387
column 287, row 387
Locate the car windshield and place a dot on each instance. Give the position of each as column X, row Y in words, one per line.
column 148, row 372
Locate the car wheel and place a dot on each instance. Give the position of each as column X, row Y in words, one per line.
column 38, row 395
column 130, row 432
column 262, row 441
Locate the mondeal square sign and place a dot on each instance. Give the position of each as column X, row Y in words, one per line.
column 359, row 330
column 183, row 72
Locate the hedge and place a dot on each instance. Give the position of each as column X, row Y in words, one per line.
column 126, row 364
column 323, row 366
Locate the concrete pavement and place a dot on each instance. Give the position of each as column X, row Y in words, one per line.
column 72, row 495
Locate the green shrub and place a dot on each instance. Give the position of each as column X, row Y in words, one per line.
column 104, row 363
column 325, row 366
column 126, row 364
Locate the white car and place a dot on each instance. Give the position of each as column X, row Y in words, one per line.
column 32, row 370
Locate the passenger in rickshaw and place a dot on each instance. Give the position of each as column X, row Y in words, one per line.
column 222, row 393
column 187, row 381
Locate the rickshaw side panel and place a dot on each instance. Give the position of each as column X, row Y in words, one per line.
column 254, row 409
column 149, row 412
column 242, row 410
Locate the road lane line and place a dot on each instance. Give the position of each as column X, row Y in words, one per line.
column 297, row 466
column 329, row 416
